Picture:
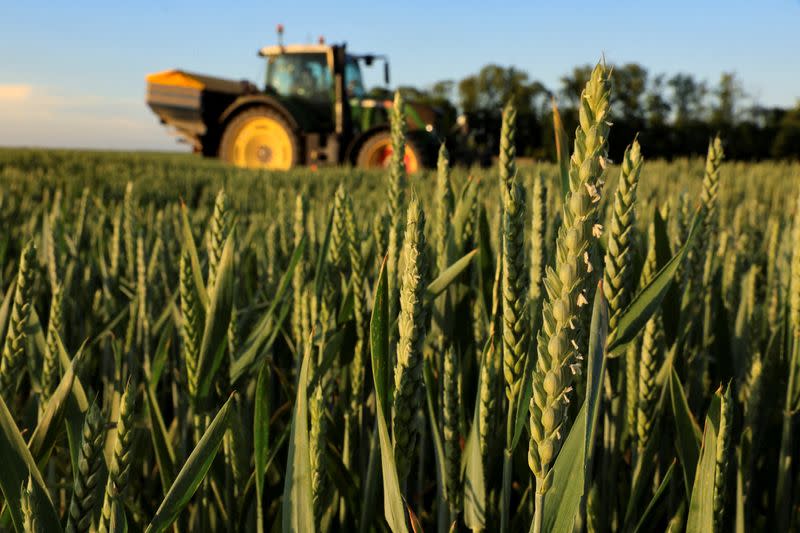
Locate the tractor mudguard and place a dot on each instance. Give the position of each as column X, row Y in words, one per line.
column 252, row 100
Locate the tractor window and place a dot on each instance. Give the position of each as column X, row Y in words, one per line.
column 352, row 74
column 303, row 75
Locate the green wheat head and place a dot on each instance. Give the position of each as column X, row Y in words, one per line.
column 558, row 349
column 508, row 148
column 122, row 455
column 451, row 437
column 617, row 276
column 51, row 366
column 445, row 204
column 516, row 325
column 538, row 236
column 12, row 363
column 90, row 459
column 722, row 455
column 408, row 383
column 217, row 234
column 192, row 322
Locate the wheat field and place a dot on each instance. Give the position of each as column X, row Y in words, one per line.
column 580, row 346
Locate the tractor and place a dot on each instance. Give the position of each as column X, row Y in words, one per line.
column 312, row 110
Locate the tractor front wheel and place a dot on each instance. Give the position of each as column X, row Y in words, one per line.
column 260, row 138
column 376, row 152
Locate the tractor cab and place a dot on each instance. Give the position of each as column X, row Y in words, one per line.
column 319, row 76
column 305, row 71
column 299, row 72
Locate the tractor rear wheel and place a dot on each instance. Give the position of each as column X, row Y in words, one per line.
column 376, row 152
column 260, row 138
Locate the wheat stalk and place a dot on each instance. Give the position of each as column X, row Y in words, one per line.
column 558, row 351
column 192, row 320
column 90, row 459
column 317, row 440
column 354, row 421
column 651, row 357
column 129, row 230
column 618, row 276
column 30, row 522
column 121, row 456
column 218, row 232
column 450, row 420
column 12, row 363
column 445, row 204
column 515, row 332
column 51, row 365
column 722, row 455
column 508, row 148
column 408, row 385
column 396, row 204
column 794, row 283
column 299, row 274
column 538, row 236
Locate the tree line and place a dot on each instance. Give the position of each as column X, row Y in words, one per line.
column 674, row 116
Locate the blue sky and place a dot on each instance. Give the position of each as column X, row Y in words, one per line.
column 72, row 72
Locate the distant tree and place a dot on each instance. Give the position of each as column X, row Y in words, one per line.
column 499, row 84
column 443, row 90
column 494, row 85
column 483, row 95
column 674, row 116
column 766, row 117
column 537, row 97
column 787, row 140
column 630, row 83
column 493, row 90
column 656, row 106
column 514, row 85
column 728, row 93
column 687, row 98
column 469, row 94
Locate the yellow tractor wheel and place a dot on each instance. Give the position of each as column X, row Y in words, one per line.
column 260, row 138
column 376, row 152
